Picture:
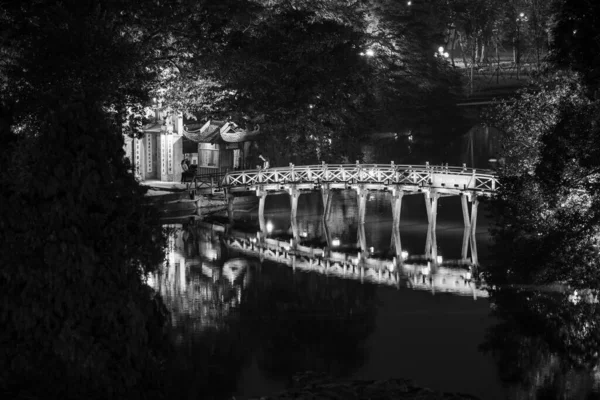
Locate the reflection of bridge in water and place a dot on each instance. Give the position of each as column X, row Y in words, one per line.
column 433, row 182
column 200, row 284
column 410, row 273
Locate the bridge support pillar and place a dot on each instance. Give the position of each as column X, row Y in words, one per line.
column 326, row 196
column 294, row 196
column 362, row 240
column 361, row 195
column 262, row 197
column 431, row 203
column 396, row 210
column 327, row 200
column 470, row 221
column 474, row 206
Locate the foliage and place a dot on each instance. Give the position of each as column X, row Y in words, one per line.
column 301, row 69
column 575, row 38
column 76, row 239
column 548, row 224
column 76, row 243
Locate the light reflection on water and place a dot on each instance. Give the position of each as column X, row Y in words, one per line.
column 244, row 326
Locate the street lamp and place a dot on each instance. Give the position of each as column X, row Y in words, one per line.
column 441, row 53
column 521, row 18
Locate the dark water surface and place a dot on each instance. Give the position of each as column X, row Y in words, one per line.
column 243, row 327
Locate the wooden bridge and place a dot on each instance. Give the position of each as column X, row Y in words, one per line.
column 430, row 181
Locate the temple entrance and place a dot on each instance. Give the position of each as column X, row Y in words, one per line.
column 151, row 157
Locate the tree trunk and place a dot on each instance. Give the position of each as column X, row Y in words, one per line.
column 483, row 57
column 462, row 51
column 453, row 47
column 473, row 58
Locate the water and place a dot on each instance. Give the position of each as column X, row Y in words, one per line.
column 243, row 327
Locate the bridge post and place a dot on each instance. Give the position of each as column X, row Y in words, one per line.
column 326, row 196
column 396, row 210
column 470, row 221
column 362, row 240
column 294, row 196
column 474, row 206
column 361, row 193
column 465, row 244
column 362, row 203
column 327, row 200
column 467, row 233
column 431, row 202
column 262, row 196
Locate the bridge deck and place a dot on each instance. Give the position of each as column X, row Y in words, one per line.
column 409, row 178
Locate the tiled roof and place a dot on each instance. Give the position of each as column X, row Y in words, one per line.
column 214, row 131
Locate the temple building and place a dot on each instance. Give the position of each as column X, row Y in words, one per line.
column 215, row 146
column 219, row 146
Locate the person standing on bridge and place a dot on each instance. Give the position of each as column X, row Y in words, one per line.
column 265, row 161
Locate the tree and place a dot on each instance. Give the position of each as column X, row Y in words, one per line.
column 575, row 42
column 319, row 75
column 76, row 238
column 548, row 223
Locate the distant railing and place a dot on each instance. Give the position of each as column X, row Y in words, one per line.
column 460, row 178
column 208, row 177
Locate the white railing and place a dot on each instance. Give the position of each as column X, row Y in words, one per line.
column 461, row 178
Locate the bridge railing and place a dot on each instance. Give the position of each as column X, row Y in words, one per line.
column 420, row 175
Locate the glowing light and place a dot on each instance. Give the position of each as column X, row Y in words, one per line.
column 370, row 53
column 409, row 3
column 522, row 15
column 304, row 234
column 335, row 242
column 446, row 54
column 371, row 249
column 574, row 297
column 441, row 49
column 404, row 254
column 439, row 259
column 269, row 227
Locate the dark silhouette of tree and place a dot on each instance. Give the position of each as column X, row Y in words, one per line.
column 76, row 240
column 574, row 38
